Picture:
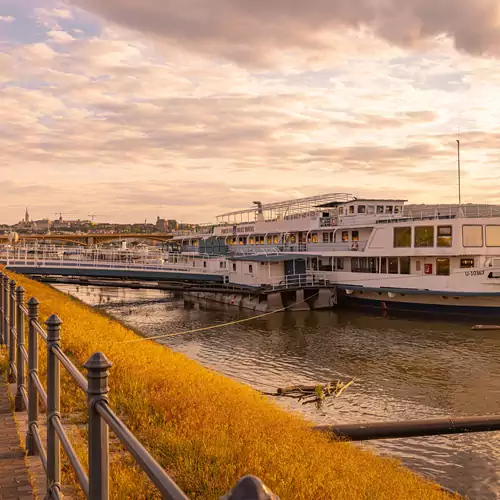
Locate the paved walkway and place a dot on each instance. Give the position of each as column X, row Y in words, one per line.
column 14, row 482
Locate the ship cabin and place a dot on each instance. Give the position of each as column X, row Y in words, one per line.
column 331, row 222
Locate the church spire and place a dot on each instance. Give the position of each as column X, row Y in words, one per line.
column 26, row 216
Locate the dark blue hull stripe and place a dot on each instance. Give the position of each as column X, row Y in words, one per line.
column 387, row 305
column 415, row 291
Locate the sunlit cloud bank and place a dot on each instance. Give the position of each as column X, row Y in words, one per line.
column 143, row 108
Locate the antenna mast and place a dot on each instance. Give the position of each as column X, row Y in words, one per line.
column 458, row 162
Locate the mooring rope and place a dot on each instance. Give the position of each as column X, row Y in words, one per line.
column 221, row 325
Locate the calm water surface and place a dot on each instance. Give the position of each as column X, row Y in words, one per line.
column 403, row 369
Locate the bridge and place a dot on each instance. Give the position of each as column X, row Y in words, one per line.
column 152, row 268
column 89, row 239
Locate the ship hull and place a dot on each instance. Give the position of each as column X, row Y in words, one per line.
column 475, row 305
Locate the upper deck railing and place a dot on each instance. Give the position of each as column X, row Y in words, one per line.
column 282, row 209
column 339, row 246
column 23, row 369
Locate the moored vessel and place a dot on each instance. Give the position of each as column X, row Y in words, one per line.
column 377, row 252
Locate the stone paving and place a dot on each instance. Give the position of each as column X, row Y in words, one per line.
column 14, row 480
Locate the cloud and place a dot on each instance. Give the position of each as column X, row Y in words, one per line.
column 60, row 36
column 252, row 31
column 7, row 19
column 115, row 121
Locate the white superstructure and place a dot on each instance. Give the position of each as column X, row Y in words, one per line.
column 377, row 250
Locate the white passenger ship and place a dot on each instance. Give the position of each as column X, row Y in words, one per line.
column 379, row 252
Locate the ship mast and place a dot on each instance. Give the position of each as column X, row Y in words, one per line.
column 458, row 164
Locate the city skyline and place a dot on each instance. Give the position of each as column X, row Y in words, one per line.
column 176, row 110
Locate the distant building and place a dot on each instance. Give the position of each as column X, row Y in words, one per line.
column 161, row 225
column 166, row 225
column 42, row 224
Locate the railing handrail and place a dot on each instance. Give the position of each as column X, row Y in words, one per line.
column 151, row 467
column 95, row 485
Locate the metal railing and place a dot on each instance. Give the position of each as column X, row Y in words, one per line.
column 49, row 256
column 309, row 279
column 23, row 369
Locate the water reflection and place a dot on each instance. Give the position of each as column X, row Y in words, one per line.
column 404, row 369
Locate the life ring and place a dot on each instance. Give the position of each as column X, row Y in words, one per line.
column 355, row 246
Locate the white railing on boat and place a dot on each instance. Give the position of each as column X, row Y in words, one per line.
column 340, row 246
column 309, row 279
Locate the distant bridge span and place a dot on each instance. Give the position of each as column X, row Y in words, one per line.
column 90, row 239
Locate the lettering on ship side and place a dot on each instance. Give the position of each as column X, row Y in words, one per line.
column 474, row 273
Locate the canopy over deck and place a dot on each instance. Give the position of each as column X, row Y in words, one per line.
column 283, row 209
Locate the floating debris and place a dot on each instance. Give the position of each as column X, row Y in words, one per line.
column 312, row 393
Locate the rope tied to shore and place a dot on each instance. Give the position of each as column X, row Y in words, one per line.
column 221, row 325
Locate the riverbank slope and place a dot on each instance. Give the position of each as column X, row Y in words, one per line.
column 208, row 430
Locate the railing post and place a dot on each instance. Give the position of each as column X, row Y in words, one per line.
column 19, row 401
column 2, row 337
column 12, row 332
column 98, row 451
column 32, row 370
column 53, row 405
column 6, row 335
column 250, row 487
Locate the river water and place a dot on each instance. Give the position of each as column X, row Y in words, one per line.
column 404, row 368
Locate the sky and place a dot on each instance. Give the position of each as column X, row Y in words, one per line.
column 133, row 109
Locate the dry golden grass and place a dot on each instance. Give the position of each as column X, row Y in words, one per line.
column 207, row 430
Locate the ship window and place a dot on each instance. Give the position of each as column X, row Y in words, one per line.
column 195, row 243
column 357, row 265
column 404, row 265
column 472, row 236
column 402, row 237
column 315, row 237
column 345, row 235
column 388, row 209
column 250, row 268
column 397, row 209
column 444, row 236
column 443, row 267
column 383, row 265
column 493, row 236
column 371, row 209
column 466, row 263
column 341, row 210
column 361, row 209
column 380, row 209
column 251, row 240
column 275, row 239
column 234, row 266
column 393, row 265
column 418, row 265
column 222, row 265
column 355, row 236
column 351, row 209
column 269, row 240
column 326, row 237
column 339, row 264
column 424, row 236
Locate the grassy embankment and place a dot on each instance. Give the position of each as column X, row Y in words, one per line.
column 207, row 430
